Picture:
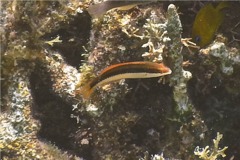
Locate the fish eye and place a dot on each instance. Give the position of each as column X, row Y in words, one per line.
column 197, row 39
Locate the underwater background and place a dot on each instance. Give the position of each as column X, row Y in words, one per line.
column 50, row 50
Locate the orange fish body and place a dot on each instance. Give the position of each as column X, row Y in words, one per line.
column 128, row 70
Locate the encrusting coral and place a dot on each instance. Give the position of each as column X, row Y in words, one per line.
column 179, row 76
column 24, row 26
column 163, row 37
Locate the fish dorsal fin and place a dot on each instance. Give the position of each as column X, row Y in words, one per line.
column 222, row 5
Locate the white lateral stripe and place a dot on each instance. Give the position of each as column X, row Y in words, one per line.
column 130, row 76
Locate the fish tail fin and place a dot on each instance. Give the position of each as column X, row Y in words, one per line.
column 223, row 5
column 85, row 91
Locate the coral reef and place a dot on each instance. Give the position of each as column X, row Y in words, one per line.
column 50, row 49
column 180, row 76
column 18, row 129
column 25, row 27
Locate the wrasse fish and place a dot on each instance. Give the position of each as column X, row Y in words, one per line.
column 99, row 9
column 128, row 70
column 207, row 22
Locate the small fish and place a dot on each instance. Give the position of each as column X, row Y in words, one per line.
column 128, row 70
column 99, row 9
column 207, row 22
